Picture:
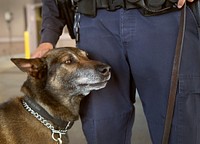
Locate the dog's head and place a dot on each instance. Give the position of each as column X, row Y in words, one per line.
column 65, row 71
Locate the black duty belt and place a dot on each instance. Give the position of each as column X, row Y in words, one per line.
column 114, row 5
column 90, row 7
column 145, row 9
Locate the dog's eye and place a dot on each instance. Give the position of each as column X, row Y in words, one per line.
column 68, row 61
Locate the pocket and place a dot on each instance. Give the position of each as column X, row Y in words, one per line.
column 189, row 84
column 188, row 110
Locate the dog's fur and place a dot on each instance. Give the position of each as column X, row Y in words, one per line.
column 57, row 82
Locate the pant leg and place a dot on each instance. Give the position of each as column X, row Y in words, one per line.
column 150, row 49
column 107, row 115
column 186, row 123
column 150, row 55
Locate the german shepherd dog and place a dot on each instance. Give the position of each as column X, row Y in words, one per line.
column 53, row 90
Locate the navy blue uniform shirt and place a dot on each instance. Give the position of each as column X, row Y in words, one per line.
column 52, row 24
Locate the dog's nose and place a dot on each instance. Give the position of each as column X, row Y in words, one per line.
column 104, row 69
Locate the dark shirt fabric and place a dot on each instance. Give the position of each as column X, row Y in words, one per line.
column 52, row 23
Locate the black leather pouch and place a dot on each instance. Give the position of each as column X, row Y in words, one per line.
column 155, row 7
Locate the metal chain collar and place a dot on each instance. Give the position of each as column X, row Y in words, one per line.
column 46, row 123
column 77, row 25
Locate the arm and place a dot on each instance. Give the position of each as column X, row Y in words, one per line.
column 52, row 26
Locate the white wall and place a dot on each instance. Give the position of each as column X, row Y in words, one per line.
column 18, row 23
column 15, row 45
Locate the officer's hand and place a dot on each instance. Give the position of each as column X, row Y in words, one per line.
column 181, row 2
column 41, row 50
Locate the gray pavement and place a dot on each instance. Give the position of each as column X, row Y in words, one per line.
column 11, row 79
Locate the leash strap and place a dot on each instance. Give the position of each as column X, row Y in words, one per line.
column 174, row 78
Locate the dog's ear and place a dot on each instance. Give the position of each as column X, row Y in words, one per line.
column 34, row 67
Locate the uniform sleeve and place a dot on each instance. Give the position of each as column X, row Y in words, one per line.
column 52, row 23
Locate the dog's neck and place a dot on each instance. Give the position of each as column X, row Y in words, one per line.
column 33, row 107
column 66, row 112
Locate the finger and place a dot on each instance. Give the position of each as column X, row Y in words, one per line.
column 36, row 55
column 180, row 3
column 41, row 50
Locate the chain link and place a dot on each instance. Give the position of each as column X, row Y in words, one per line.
column 48, row 124
column 77, row 25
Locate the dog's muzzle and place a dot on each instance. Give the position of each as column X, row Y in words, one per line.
column 94, row 79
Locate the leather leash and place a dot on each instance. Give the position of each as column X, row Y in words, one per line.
column 174, row 77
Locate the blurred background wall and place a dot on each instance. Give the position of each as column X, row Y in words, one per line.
column 18, row 16
column 11, row 33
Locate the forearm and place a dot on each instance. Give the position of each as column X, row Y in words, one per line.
column 52, row 23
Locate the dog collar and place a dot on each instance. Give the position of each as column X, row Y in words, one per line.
column 31, row 106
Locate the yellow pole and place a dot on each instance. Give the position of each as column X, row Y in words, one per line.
column 27, row 45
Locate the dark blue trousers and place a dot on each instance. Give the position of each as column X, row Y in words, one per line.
column 140, row 51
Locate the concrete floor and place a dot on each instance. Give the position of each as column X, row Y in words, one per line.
column 11, row 79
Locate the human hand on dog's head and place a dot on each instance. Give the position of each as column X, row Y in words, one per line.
column 41, row 50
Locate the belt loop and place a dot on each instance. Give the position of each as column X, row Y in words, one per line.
column 100, row 3
column 111, row 5
column 114, row 4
